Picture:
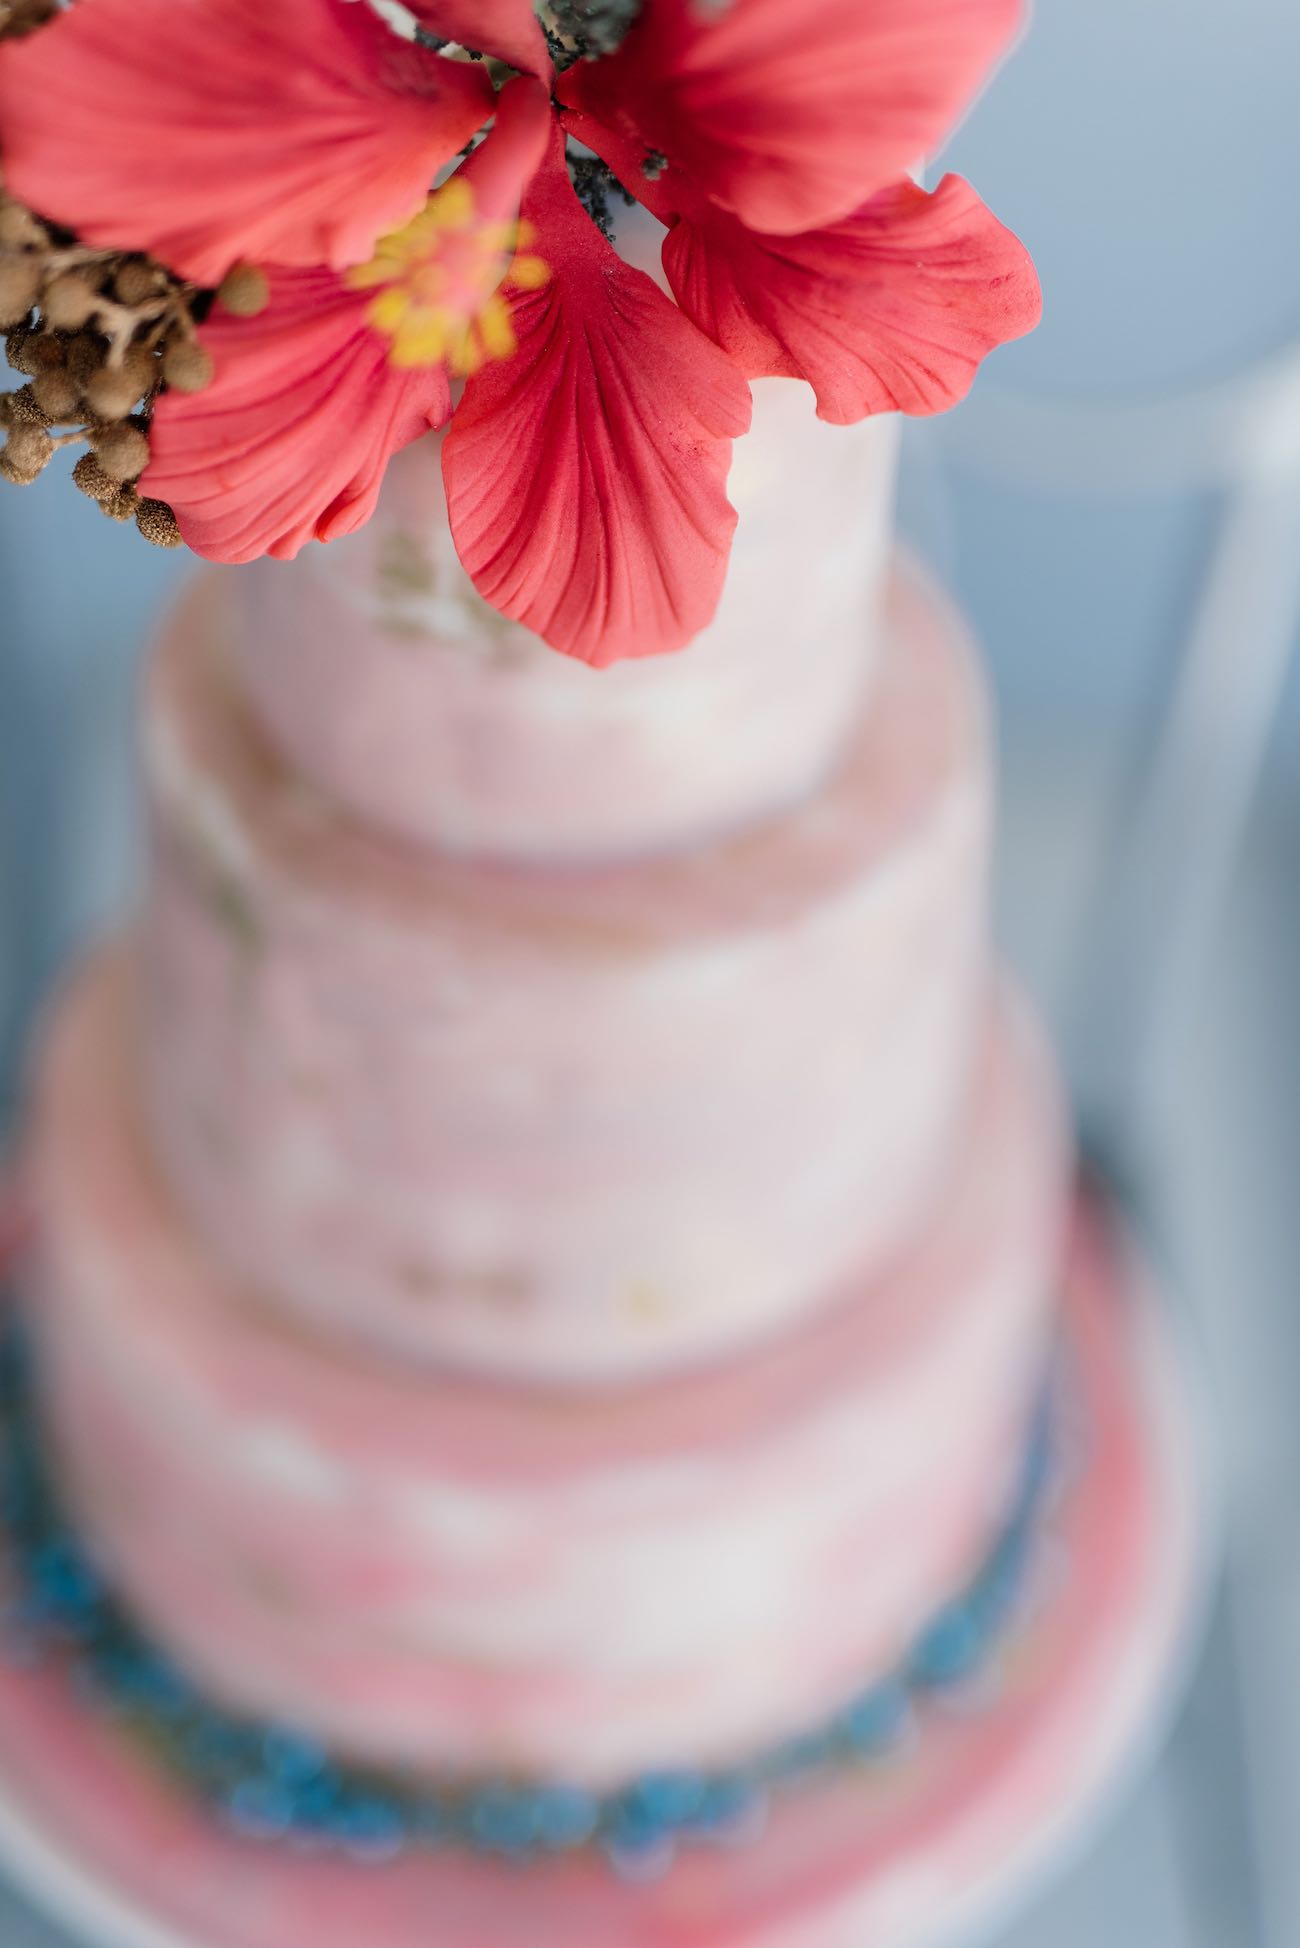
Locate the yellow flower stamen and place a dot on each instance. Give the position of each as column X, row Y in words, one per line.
column 438, row 283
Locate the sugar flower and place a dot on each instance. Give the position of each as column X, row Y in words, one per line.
column 428, row 212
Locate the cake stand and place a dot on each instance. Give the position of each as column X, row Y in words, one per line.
column 937, row 1847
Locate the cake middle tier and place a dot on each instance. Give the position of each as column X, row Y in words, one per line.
column 474, row 1578
column 575, row 1123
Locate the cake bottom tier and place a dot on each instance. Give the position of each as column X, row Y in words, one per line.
column 467, row 1578
column 933, row 1848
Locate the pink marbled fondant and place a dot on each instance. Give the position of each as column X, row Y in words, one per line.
column 577, row 1123
column 386, row 679
column 892, row 1856
column 468, row 1575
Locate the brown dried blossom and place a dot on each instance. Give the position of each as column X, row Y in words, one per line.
column 19, row 17
column 97, row 334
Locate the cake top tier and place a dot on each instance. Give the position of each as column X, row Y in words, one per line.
column 386, row 678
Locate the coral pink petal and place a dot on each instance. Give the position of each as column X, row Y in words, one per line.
column 507, row 28
column 586, row 475
column 206, row 131
column 791, row 116
column 291, row 439
column 502, row 165
column 891, row 309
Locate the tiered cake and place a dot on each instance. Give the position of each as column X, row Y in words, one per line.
column 547, row 1232
column 546, row 1271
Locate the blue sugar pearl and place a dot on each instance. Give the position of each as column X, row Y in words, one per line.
column 502, row 1819
column 626, row 1825
column 69, row 1590
column 369, row 1825
column 148, row 1682
column 261, row 1809
column 15, row 1357
column 106, row 1662
column 217, row 1746
column 19, row 1491
column 317, row 1803
column 728, row 1801
column 1011, row 1555
column 950, row 1649
column 996, row 1592
column 667, row 1799
column 799, row 1756
column 565, row 1817
column 875, row 1722
column 636, row 1850
column 172, row 1694
column 989, row 1603
column 291, row 1758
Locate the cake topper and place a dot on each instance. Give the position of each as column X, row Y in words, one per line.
column 247, row 253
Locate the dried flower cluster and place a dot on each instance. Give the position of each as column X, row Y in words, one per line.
column 96, row 334
column 19, row 17
column 583, row 30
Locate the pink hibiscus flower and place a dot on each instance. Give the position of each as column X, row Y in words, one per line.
column 587, row 455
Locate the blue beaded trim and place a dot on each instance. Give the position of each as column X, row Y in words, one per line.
column 271, row 1782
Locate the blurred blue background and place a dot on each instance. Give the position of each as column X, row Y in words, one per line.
column 1149, row 153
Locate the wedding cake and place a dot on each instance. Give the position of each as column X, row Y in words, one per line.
column 708, row 1199
column 542, row 1315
